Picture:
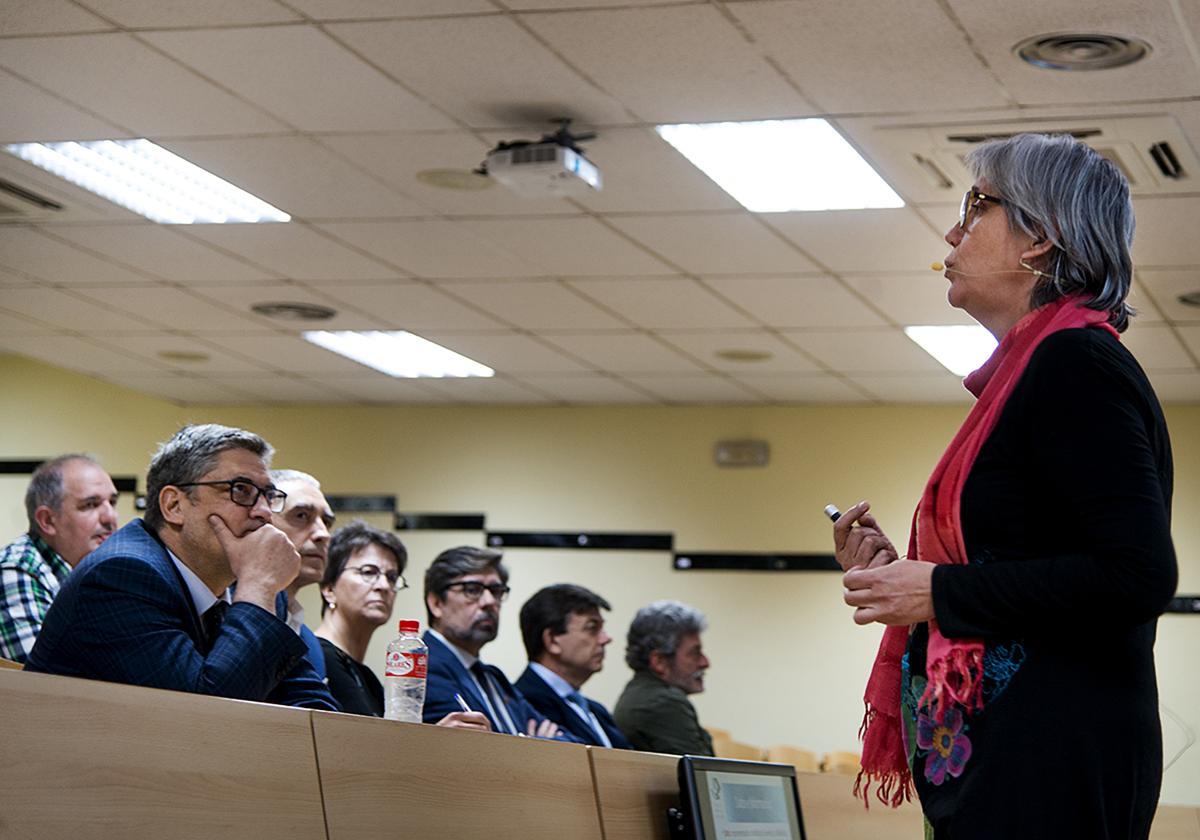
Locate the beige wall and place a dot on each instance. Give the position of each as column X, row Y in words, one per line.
column 788, row 664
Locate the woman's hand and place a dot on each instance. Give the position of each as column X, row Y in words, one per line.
column 864, row 545
column 899, row 593
column 466, row 720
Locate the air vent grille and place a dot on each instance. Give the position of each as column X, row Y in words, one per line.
column 534, row 154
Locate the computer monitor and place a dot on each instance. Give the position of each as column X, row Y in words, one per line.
column 725, row 799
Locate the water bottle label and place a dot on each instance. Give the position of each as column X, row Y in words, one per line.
column 406, row 664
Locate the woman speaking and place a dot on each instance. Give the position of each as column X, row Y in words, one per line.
column 1015, row 686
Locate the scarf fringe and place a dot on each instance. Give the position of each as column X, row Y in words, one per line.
column 957, row 679
column 883, row 761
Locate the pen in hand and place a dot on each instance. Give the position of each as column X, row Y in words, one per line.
column 462, row 704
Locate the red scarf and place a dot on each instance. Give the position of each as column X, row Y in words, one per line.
column 954, row 667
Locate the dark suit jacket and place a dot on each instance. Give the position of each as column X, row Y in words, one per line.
column 124, row 615
column 446, row 675
column 546, row 700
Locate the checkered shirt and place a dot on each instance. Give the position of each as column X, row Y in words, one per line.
column 30, row 574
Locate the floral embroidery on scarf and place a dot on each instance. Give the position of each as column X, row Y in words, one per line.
column 947, row 744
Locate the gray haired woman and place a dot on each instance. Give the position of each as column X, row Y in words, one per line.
column 1015, row 686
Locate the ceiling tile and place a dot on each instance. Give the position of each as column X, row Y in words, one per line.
column 296, row 251
column 822, row 45
column 1166, row 232
column 407, row 305
column 938, row 388
column 803, row 388
column 352, row 9
column 32, row 115
column 302, row 76
column 500, row 75
column 43, row 17
column 865, row 351
column 132, row 86
column 179, row 389
column 1146, row 309
column 277, row 389
column 677, row 64
column 494, row 390
column 862, row 240
column 808, row 301
column 29, row 251
column 578, row 246
column 298, row 176
column 67, row 311
column 377, row 387
column 88, row 355
column 219, row 361
column 527, row 5
column 433, row 248
column 162, row 250
column 1169, row 71
column 627, row 352
column 14, row 324
column 586, row 389
column 139, row 14
column 1166, row 287
column 717, row 244
column 243, row 296
column 536, row 305
column 170, row 308
column 909, row 299
column 702, row 388
column 290, row 353
column 663, row 302
column 705, row 346
column 397, row 159
column 1191, row 337
column 507, row 352
column 643, row 173
column 1156, row 347
column 1176, row 387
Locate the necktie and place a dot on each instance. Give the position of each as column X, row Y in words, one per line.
column 212, row 620
column 502, row 719
column 578, row 699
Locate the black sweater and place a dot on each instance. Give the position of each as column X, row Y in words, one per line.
column 1066, row 520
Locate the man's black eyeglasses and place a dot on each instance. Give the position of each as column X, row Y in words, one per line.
column 971, row 200
column 244, row 492
column 472, row 590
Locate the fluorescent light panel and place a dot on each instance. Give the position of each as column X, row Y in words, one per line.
column 777, row 166
column 958, row 349
column 147, row 179
column 400, row 354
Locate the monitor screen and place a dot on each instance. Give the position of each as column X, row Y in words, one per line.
column 740, row 800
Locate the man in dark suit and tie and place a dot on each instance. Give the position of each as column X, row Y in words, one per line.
column 463, row 590
column 153, row 607
column 565, row 639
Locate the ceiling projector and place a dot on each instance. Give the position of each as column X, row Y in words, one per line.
column 552, row 167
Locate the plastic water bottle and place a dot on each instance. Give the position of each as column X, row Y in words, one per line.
column 404, row 676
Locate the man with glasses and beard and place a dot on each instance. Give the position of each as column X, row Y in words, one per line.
column 463, row 590
column 153, row 606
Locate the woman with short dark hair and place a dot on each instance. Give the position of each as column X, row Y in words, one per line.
column 1015, row 685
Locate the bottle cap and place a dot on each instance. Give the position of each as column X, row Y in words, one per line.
column 407, row 625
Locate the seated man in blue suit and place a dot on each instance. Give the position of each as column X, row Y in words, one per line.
column 306, row 518
column 463, row 590
column 152, row 606
column 565, row 640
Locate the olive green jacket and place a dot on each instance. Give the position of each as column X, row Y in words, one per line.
column 657, row 717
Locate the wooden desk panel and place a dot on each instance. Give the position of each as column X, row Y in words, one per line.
column 634, row 791
column 831, row 812
column 1176, row 822
column 382, row 778
column 85, row 759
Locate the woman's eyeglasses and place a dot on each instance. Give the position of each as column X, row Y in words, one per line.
column 473, row 590
column 370, row 575
column 970, row 201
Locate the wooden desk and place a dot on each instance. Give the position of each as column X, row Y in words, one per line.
column 832, row 813
column 1176, row 822
column 634, row 791
column 382, row 778
column 85, row 759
